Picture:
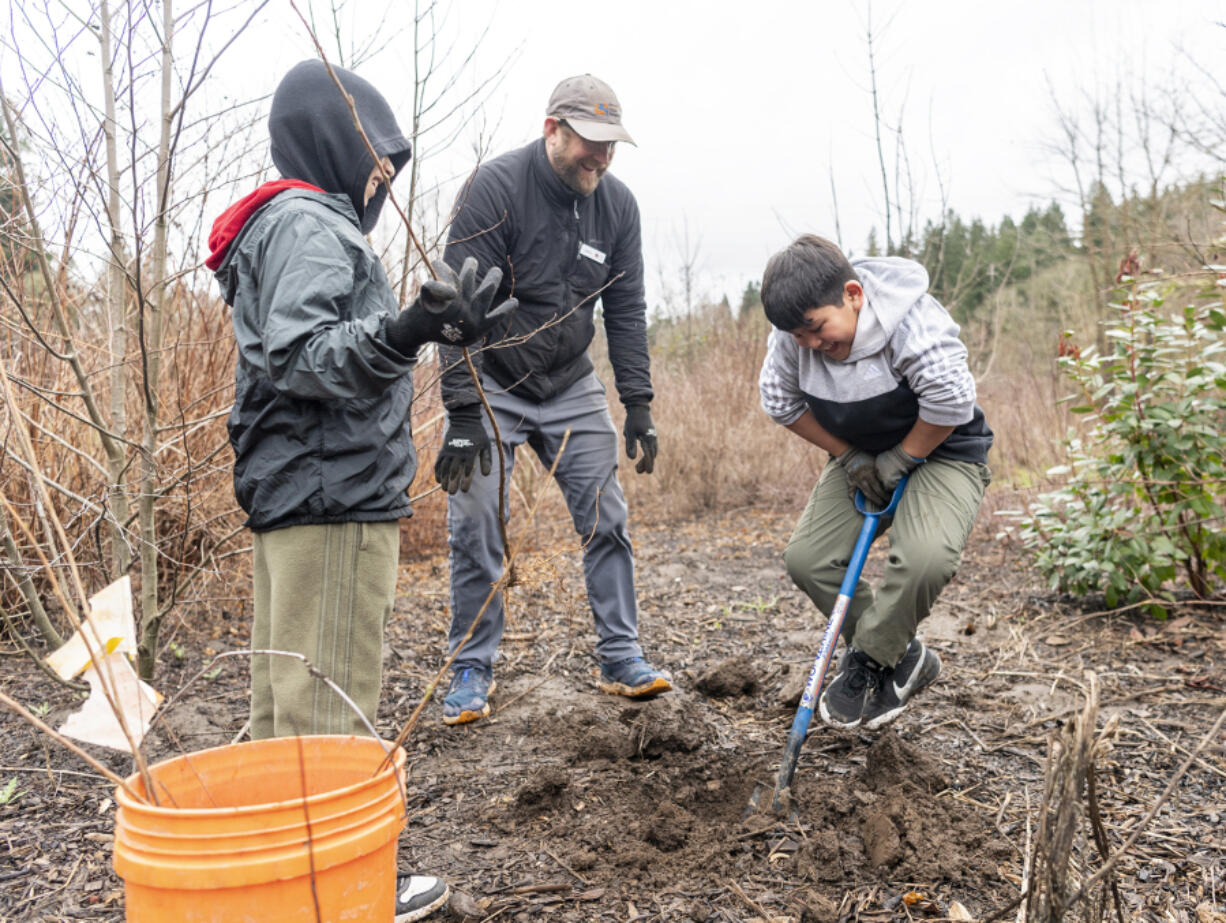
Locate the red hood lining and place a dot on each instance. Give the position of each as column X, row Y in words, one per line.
column 230, row 223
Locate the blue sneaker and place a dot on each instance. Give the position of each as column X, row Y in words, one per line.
column 633, row 677
column 468, row 695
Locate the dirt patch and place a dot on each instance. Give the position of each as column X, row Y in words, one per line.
column 731, row 677
column 890, row 818
column 667, row 802
column 543, row 791
column 890, row 763
column 575, row 806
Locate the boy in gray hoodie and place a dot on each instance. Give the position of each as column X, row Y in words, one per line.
column 865, row 364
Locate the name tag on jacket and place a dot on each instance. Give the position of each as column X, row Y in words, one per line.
column 592, row 253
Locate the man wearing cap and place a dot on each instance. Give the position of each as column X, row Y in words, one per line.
column 566, row 236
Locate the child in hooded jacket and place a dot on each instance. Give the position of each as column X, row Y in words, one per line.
column 320, row 425
column 867, row 365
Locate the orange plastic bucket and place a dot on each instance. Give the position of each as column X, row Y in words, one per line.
column 243, row 832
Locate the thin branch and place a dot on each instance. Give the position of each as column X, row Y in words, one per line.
column 19, row 709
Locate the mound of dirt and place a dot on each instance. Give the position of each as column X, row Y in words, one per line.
column 635, row 730
column 891, row 816
column 668, row 725
column 669, row 828
column 544, row 790
column 658, row 789
column 731, row 677
column 891, row 763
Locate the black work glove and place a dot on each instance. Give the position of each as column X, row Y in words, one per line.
column 862, row 476
column 464, row 440
column 640, row 431
column 452, row 309
column 892, row 466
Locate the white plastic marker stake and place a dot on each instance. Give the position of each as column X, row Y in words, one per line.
column 112, row 635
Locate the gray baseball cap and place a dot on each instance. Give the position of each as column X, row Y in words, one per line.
column 590, row 107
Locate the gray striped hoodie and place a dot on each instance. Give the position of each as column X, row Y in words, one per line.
column 906, row 362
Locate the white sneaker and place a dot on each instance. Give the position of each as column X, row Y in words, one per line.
column 418, row 896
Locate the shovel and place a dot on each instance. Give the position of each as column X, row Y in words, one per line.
column 781, row 801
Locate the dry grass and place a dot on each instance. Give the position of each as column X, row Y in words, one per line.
column 197, row 520
column 718, row 450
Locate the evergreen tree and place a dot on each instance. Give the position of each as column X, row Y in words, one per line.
column 1100, row 216
column 751, row 298
column 967, row 263
column 15, row 256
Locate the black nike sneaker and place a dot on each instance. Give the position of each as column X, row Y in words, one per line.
column 917, row 669
column 842, row 704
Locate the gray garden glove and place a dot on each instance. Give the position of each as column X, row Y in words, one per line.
column 893, row 465
column 862, row 476
column 452, row 309
column 464, row 441
column 640, row 431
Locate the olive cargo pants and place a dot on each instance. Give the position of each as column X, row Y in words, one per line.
column 323, row 591
column 927, row 533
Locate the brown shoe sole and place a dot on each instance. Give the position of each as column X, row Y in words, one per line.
column 467, row 716
column 655, row 687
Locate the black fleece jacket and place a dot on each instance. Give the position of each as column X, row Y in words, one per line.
column 557, row 249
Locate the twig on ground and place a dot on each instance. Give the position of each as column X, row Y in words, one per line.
column 753, row 905
column 554, row 857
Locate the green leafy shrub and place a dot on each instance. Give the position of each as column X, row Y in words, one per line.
column 1140, row 514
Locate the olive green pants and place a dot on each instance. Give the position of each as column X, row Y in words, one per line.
column 323, row 591
column 927, row 533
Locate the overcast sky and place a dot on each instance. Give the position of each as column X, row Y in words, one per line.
column 743, row 112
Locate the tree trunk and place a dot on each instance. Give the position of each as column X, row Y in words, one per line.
column 151, row 349
column 26, row 586
column 117, row 286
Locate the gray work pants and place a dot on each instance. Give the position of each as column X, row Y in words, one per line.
column 587, row 475
column 927, row 533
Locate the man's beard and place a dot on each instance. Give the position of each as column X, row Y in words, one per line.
column 579, row 180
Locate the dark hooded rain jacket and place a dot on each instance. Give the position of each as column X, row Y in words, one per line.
column 320, row 424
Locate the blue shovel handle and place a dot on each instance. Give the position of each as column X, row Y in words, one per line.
column 817, row 674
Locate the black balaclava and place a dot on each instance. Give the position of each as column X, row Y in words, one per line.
column 314, row 138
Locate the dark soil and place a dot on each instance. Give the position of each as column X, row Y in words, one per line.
column 582, row 807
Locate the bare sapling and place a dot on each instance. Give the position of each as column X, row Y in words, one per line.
column 499, row 586
column 92, row 290
column 84, row 623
